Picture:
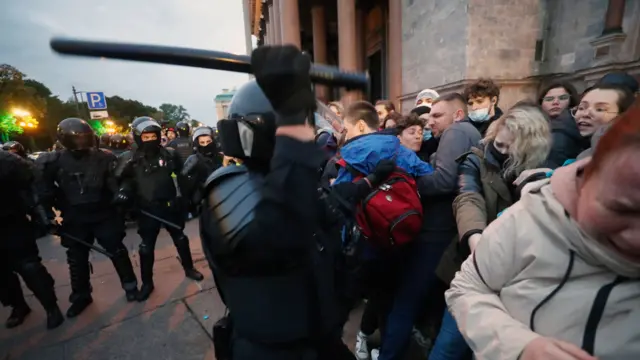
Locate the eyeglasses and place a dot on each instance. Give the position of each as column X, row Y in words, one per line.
column 562, row 97
column 596, row 110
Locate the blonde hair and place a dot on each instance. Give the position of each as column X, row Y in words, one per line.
column 532, row 137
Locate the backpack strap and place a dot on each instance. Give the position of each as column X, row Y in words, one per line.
column 355, row 173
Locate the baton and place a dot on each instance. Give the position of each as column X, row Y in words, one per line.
column 168, row 223
column 90, row 246
column 207, row 59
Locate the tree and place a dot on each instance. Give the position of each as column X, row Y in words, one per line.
column 124, row 111
column 174, row 113
column 15, row 94
column 40, row 89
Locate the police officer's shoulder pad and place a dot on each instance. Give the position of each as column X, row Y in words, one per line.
column 223, row 173
column 48, row 157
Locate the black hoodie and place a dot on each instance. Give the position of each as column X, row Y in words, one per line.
column 482, row 126
column 566, row 141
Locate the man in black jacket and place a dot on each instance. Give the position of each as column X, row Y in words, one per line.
column 150, row 178
column 265, row 232
column 18, row 249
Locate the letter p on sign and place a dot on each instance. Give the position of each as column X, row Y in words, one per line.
column 96, row 101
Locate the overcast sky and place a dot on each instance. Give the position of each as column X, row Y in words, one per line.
column 27, row 26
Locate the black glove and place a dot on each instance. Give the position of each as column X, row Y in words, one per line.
column 283, row 74
column 381, row 172
column 121, row 198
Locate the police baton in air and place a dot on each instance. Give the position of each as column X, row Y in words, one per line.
column 207, row 59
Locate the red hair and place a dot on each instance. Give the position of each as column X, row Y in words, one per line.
column 623, row 134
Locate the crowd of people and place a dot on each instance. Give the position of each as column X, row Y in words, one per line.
column 473, row 229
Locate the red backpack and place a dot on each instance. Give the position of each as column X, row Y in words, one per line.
column 392, row 213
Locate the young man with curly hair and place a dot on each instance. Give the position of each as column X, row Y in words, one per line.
column 482, row 102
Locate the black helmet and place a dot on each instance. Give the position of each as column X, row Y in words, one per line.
column 105, row 139
column 76, row 134
column 138, row 120
column 118, row 141
column 14, row 147
column 145, row 124
column 249, row 133
column 183, row 128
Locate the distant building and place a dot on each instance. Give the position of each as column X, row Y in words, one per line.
column 222, row 103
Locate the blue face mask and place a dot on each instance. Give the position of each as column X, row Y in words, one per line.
column 426, row 135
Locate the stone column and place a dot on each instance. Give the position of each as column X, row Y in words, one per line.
column 394, row 52
column 360, row 40
column 347, row 55
column 613, row 19
column 319, row 45
column 271, row 26
column 277, row 23
column 246, row 8
column 290, row 18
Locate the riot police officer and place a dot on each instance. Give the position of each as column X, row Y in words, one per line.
column 18, row 248
column 118, row 144
column 262, row 225
column 79, row 180
column 150, row 178
column 182, row 144
column 200, row 165
column 104, row 141
column 15, row 147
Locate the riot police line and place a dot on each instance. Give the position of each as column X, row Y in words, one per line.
column 93, row 189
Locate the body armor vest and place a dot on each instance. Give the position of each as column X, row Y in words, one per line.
column 183, row 147
column 154, row 177
column 269, row 303
column 83, row 180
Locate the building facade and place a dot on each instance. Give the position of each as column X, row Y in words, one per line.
column 410, row 45
column 222, row 103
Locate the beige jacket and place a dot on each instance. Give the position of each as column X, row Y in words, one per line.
column 536, row 273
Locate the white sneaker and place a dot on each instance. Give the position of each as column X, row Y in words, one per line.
column 361, row 349
column 374, row 354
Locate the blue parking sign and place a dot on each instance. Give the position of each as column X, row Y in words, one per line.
column 96, row 101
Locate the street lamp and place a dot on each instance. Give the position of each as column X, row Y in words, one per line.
column 26, row 120
column 20, row 113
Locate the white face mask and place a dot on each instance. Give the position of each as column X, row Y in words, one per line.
column 480, row 115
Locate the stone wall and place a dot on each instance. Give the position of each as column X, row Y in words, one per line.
column 434, row 35
column 574, row 24
column 501, row 38
column 449, row 43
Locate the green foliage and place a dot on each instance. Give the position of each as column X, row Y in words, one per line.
column 15, row 94
column 29, row 95
column 174, row 113
column 124, row 111
column 8, row 124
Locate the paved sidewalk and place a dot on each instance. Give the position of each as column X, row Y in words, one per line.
column 175, row 323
